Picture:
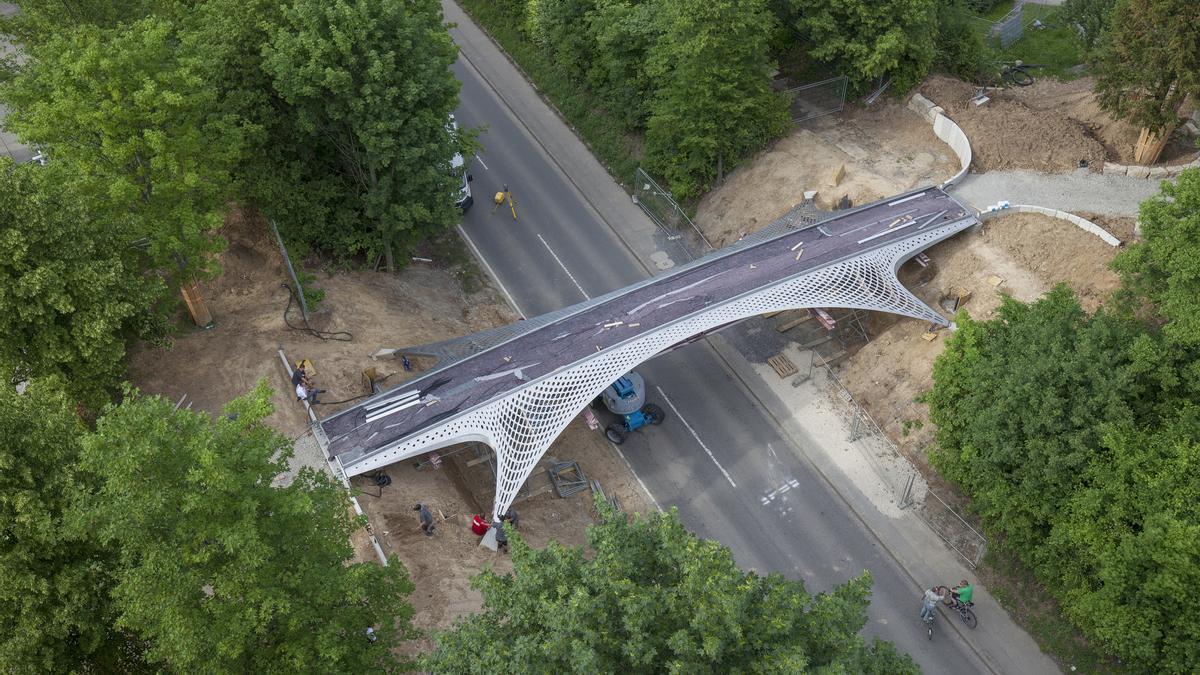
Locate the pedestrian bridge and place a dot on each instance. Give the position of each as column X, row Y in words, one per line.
column 517, row 387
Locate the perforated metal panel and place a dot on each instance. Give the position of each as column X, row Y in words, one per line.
column 521, row 425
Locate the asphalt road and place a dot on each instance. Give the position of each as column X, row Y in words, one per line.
column 718, row 453
column 378, row 423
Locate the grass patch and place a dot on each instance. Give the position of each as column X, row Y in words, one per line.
column 449, row 251
column 585, row 112
column 1055, row 46
column 1030, row 605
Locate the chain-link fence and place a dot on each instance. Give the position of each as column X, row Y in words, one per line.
column 1006, row 30
column 902, row 477
column 668, row 215
column 817, row 99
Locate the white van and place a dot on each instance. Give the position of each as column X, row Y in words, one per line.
column 459, row 166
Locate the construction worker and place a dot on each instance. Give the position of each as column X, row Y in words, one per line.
column 426, row 519
column 511, row 518
column 501, row 536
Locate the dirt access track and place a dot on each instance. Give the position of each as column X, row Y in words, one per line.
column 421, row 304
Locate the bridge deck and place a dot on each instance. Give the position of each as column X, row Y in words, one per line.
column 480, row 378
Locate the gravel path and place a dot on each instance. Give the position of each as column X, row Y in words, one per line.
column 1081, row 190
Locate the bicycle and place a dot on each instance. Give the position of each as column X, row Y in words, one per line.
column 964, row 610
column 928, row 621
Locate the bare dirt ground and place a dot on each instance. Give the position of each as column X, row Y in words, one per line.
column 1050, row 126
column 419, row 305
column 884, row 150
column 441, row 566
column 247, row 301
column 1029, row 252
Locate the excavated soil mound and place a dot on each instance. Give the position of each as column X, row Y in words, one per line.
column 1006, row 133
column 1077, row 100
column 882, row 150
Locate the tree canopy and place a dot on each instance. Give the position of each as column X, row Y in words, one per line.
column 217, row 567
column 714, row 103
column 54, row 606
column 1150, row 61
column 371, row 85
column 869, row 39
column 1165, row 269
column 128, row 111
column 653, row 597
column 1078, row 438
column 72, row 290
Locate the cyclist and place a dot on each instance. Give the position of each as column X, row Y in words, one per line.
column 931, row 599
column 963, row 592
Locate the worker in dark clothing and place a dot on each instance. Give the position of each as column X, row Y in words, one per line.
column 511, row 518
column 501, row 537
column 303, row 384
column 426, row 519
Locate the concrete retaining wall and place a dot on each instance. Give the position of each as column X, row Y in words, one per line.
column 1155, row 172
column 945, row 129
column 1083, row 223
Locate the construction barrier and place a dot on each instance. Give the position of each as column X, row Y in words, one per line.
column 1083, row 223
column 946, row 130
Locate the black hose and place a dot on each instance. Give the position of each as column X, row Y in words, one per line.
column 324, row 335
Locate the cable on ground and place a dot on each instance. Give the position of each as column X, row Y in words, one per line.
column 324, row 335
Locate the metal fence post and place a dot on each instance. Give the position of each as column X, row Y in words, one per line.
column 291, row 271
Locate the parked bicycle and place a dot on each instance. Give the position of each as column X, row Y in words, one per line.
column 963, row 609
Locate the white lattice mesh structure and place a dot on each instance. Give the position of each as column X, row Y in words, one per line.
column 521, row 425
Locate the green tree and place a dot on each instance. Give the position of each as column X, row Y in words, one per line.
column 1164, row 268
column 1127, row 549
column 72, row 291
column 54, row 610
column 219, row 570
column 560, row 28
column 1149, row 64
column 1093, row 18
column 371, row 85
column 624, row 33
column 128, row 111
column 714, row 104
column 653, row 597
column 1020, row 402
column 869, row 39
column 959, row 45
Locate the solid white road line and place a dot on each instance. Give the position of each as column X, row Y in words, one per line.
column 694, row 434
column 490, row 271
column 564, row 268
column 480, row 160
column 639, row 478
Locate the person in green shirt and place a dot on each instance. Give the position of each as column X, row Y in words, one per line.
column 963, row 592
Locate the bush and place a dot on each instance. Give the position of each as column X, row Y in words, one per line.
column 959, row 45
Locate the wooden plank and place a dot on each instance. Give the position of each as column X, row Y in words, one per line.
column 785, row 327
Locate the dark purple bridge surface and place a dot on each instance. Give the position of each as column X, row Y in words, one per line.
column 594, row 326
